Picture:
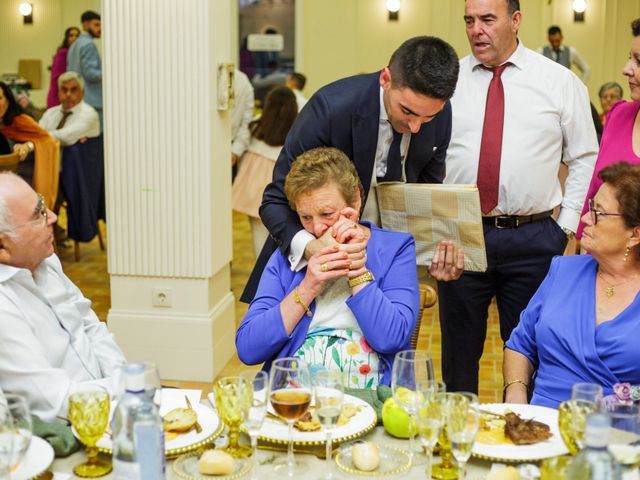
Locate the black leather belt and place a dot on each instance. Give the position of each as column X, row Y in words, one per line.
column 514, row 221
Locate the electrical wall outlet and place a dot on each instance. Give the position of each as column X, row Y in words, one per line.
column 161, row 297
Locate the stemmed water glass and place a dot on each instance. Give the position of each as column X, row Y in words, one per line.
column 257, row 411
column 411, row 378
column 290, row 387
column 89, row 415
column 463, row 421
column 624, row 439
column 22, row 427
column 430, row 420
column 6, row 439
column 329, row 395
column 233, row 398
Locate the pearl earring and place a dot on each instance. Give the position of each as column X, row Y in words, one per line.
column 626, row 254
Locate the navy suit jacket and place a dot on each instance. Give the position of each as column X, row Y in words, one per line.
column 344, row 114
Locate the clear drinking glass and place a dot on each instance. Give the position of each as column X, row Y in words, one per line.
column 587, row 391
column 290, row 395
column 257, row 411
column 22, row 427
column 624, row 437
column 6, row 439
column 89, row 415
column 329, row 396
column 430, row 421
column 411, row 378
column 463, row 421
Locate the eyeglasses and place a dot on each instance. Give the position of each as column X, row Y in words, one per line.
column 40, row 211
column 597, row 213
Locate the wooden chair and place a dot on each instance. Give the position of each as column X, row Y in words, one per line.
column 428, row 298
column 9, row 162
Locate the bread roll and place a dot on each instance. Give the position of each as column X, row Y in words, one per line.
column 180, row 420
column 215, row 462
column 507, row 473
column 366, row 456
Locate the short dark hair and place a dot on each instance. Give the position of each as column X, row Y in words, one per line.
column 635, row 27
column 553, row 29
column 13, row 107
column 514, row 6
column 427, row 65
column 625, row 179
column 279, row 113
column 89, row 15
column 298, row 79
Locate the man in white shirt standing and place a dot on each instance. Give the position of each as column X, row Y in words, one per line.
column 73, row 120
column 241, row 115
column 564, row 55
column 516, row 115
column 50, row 338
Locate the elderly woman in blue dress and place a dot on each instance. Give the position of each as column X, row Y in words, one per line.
column 583, row 323
column 350, row 312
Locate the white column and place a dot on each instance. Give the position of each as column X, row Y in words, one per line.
column 168, row 183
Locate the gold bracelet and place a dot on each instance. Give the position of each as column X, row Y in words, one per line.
column 360, row 279
column 508, row 384
column 297, row 299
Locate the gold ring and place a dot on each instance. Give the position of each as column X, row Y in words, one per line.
column 324, row 267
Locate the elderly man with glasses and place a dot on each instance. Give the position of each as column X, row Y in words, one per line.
column 50, row 338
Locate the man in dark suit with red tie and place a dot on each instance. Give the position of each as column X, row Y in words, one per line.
column 394, row 124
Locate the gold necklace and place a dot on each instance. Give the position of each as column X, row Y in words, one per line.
column 610, row 290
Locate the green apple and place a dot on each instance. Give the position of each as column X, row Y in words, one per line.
column 395, row 419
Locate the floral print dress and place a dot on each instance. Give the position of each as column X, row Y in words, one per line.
column 335, row 342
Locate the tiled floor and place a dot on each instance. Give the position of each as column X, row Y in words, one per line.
column 90, row 274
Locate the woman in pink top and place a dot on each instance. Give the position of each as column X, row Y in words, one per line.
column 59, row 65
column 621, row 137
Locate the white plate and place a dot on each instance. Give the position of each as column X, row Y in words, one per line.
column 552, row 447
column 38, row 458
column 362, row 422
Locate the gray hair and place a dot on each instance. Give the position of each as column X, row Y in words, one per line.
column 608, row 86
column 69, row 76
column 6, row 225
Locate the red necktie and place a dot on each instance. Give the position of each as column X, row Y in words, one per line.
column 491, row 144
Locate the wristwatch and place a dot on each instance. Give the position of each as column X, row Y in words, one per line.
column 30, row 146
column 570, row 235
column 360, row 279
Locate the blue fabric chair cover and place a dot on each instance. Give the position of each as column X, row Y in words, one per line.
column 82, row 183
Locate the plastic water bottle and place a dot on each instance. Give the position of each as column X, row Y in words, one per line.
column 138, row 431
column 595, row 462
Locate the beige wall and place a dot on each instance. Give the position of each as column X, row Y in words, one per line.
column 342, row 38
column 41, row 39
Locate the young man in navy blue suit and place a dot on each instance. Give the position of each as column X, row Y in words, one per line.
column 369, row 116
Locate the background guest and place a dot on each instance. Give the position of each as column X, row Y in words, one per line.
column 610, row 93
column 582, row 323
column 256, row 166
column 296, row 82
column 564, row 55
column 621, row 136
column 59, row 65
column 29, row 137
column 241, row 115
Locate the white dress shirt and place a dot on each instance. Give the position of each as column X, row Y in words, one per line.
column 50, row 339
column 83, row 122
column 241, row 113
column 547, row 119
column 574, row 59
column 370, row 213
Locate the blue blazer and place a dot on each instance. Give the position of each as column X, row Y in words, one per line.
column 344, row 114
column 386, row 309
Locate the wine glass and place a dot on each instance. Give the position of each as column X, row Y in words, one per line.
column 233, row 398
column 463, row 421
column 89, row 415
column 430, row 420
column 572, row 422
column 446, row 469
column 257, row 411
column 22, row 427
column 6, row 438
column 411, row 375
column 590, row 392
column 290, row 396
column 152, row 385
column 624, row 436
column 329, row 395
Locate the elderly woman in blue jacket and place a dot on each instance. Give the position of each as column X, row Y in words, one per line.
column 344, row 311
